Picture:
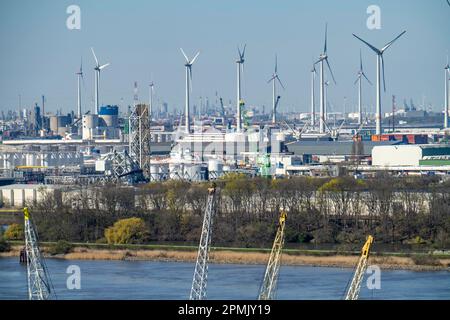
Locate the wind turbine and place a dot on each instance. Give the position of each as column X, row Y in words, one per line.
column 151, row 89
column 360, row 74
column 80, row 76
column 188, row 66
column 447, row 98
column 313, row 106
column 325, row 101
column 240, row 68
column 276, row 98
column 97, row 69
column 380, row 64
column 323, row 57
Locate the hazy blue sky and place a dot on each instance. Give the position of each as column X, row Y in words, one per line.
column 39, row 55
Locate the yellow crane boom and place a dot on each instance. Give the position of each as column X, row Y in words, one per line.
column 269, row 284
column 355, row 285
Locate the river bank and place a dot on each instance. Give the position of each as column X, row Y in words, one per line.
column 247, row 256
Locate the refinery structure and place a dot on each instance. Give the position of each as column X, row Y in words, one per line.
column 145, row 142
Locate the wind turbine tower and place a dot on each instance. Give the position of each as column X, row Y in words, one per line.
column 380, row 65
column 97, row 69
column 240, row 68
column 80, row 76
column 150, row 105
column 313, row 106
column 360, row 74
column 323, row 57
column 188, row 66
column 447, row 98
column 275, row 100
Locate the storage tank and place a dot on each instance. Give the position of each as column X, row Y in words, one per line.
column 90, row 124
column 215, row 166
column 110, row 115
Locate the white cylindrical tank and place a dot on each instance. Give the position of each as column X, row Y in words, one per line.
column 215, row 166
column 90, row 123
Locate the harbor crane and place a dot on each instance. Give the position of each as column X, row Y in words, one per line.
column 39, row 282
column 198, row 289
column 355, row 285
column 269, row 284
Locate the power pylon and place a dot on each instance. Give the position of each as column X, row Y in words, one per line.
column 39, row 283
column 198, row 289
column 269, row 284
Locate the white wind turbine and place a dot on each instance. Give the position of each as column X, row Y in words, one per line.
column 80, row 77
column 447, row 98
column 313, row 106
column 276, row 98
column 240, row 68
column 323, row 57
column 380, row 65
column 188, row 66
column 150, row 93
column 97, row 69
column 360, row 74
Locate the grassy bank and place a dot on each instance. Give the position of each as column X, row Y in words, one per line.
column 325, row 258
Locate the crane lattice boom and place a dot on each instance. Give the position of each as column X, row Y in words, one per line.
column 269, row 284
column 39, row 285
column 355, row 285
column 198, row 289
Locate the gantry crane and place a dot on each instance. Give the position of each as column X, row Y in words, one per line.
column 39, row 283
column 355, row 285
column 269, row 284
column 198, row 289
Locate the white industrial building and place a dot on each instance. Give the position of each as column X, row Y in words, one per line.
column 407, row 155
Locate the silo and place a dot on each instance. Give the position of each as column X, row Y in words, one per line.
column 90, row 123
column 110, row 114
column 54, row 124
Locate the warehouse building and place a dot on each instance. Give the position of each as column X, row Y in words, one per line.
column 411, row 155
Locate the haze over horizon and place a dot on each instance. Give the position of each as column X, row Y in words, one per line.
column 141, row 40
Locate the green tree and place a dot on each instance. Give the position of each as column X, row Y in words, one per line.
column 125, row 231
column 14, row 232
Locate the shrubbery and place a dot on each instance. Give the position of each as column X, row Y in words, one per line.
column 14, row 232
column 126, row 231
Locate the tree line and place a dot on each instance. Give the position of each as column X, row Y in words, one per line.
column 339, row 210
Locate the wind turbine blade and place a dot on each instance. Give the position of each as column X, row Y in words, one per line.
column 382, row 65
column 391, row 42
column 329, row 68
column 103, row 66
column 184, row 54
column 280, row 82
column 368, row 44
column 276, row 64
column 192, row 62
column 357, row 78
column 271, row 79
column 325, row 46
column 243, row 52
column 239, row 53
column 366, row 78
column 95, row 57
column 360, row 61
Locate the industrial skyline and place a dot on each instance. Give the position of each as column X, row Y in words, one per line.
column 136, row 51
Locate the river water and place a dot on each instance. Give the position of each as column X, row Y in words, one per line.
column 172, row 280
